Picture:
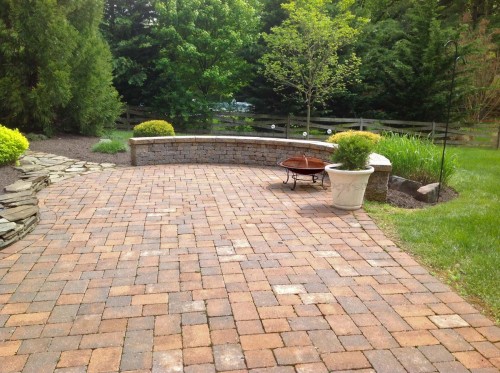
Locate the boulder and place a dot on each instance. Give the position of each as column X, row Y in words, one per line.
column 428, row 193
column 404, row 185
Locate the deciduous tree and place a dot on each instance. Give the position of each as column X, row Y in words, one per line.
column 482, row 99
column 303, row 52
column 202, row 42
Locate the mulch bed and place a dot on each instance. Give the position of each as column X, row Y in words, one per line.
column 79, row 147
column 71, row 146
column 403, row 200
column 8, row 175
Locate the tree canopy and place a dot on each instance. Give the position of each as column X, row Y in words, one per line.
column 303, row 51
column 369, row 58
column 128, row 27
column 202, row 43
column 55, row 69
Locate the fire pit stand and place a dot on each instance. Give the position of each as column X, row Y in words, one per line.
column 304, row 166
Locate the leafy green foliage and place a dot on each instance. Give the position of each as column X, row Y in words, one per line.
column 154, row 128
column 373, row 137
column 303, row 51
column 109, row 146
column 201, row 51
column 12, row 144
column 405, row 70
column 128, row 28
column 416, row 158
column 459, row 238
column 354, row 149
column 55, row 71
column 178, row 56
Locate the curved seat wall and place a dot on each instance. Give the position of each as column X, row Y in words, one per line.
column 255, row 151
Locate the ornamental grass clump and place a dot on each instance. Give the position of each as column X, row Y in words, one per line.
column 416, row 158
column 154, row 128
column 354, row 149
column 12, row 145
column 109, row 146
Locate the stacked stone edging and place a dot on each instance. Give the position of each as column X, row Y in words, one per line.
column 19, row 212
column 246, row 150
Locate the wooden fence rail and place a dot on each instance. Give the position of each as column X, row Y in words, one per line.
column 250, row 124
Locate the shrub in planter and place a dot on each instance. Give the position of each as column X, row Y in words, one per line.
column 12, row 145
column 154, row 128
column 350, row 173
column 354, row 149
column 341, row 135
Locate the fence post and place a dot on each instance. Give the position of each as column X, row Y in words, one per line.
column 127, row 113
column 287, row 128
column 361, row 124
column 433, row 133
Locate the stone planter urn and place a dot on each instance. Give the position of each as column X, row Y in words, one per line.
column 348, row 187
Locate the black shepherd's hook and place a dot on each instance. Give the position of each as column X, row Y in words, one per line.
column 450, row 95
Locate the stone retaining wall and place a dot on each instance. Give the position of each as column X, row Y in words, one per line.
column 245, row 150
column 19, row 211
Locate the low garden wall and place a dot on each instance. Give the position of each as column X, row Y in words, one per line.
column 257, row 151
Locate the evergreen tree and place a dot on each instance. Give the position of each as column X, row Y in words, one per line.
column 55, row 71
column 258, row 91
column 128, row 27
column 405, row 70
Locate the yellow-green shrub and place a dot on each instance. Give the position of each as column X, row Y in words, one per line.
column 12, row 144
column 354, row 149
column 373, row 137
column 154, row 128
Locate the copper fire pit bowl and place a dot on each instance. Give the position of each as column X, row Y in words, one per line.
column 303, row 165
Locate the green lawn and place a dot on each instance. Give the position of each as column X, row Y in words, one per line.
column 125, row 135
column 121, row 135
column 459, row 239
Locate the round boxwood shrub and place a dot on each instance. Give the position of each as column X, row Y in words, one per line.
column 354, row 149
column 12, row 145
column 153, row 128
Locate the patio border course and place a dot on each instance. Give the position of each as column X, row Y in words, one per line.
column 251, row 151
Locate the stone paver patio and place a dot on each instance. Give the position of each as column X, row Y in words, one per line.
column 207, row 268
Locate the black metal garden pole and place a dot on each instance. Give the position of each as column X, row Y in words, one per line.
column 450, row 95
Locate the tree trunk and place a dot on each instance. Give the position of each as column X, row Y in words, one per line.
column 308, row 118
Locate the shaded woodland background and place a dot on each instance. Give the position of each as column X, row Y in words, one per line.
column 73, row 66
